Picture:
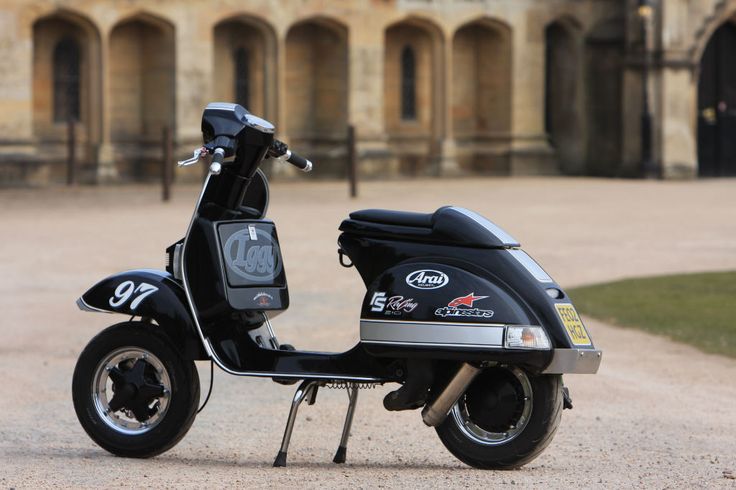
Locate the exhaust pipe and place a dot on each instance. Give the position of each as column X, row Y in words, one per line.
column 434, row 414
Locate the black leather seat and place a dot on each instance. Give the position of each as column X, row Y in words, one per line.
column 448, row 225
column 398, row 218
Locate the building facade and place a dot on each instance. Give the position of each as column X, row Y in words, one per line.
column 432, row 87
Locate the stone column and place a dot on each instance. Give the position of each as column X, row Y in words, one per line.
column 106, row 171
column 679, row 148
column 676, row 97
column 194, row 81
column 366, row 98
column 448, row 162
column 530, row 152
column 282, row 110
column 16, row 91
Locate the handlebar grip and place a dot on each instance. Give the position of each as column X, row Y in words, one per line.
column 298, row 161
column 218, row 156
column 217, row 159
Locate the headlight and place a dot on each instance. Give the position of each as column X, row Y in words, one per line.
column 526, row 337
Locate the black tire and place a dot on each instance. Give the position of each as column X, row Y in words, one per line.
column 505, row 453
column 181, row 399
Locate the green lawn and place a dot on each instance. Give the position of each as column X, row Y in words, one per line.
column 699, row 309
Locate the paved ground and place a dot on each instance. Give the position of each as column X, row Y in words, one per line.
column 658, row 414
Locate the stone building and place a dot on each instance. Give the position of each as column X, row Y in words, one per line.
column 507, row 87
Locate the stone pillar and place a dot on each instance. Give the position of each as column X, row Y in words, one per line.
column 194, row 79
column 194, row 87
column 676, row 95
column 366, row 99
column 106, row 171
column 679, row 148
column 448, row 163
column 530, row 152
column 282, row 110
column 16, row 91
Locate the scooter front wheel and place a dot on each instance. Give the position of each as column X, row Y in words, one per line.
column 505, row 418
column 133, row 394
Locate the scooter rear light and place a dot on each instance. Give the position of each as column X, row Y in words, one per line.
column 526, row 337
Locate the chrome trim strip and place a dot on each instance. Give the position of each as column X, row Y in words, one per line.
column 260, row 124
column 268, row 193
column 269, row 374
column 425, row 344
column 192, row 310
column 490, row 226
column 421, row 322
column 530, row 265
column 574, row 361
column 221, row 106
column 82, row 305
column 432, row 333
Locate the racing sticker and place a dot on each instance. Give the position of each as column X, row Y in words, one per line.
column 427, row 279
column 127, row 290
column 463, row 307
column 378, row 302
column 395, row 305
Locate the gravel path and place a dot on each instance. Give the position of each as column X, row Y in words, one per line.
column 658, row 414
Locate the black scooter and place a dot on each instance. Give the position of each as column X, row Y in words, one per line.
column 470, row 326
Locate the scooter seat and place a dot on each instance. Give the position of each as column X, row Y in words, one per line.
column 448, row 225
column 398, row 218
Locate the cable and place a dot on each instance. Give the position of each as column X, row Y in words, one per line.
column 212, row 381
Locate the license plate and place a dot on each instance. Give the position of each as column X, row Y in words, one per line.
column 573, row 324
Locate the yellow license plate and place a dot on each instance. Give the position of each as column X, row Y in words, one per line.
column 573, row 324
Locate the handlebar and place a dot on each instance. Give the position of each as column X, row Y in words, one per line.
column 280, row 150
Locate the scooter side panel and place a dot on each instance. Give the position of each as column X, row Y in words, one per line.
column 526, row 285
column 152, row 294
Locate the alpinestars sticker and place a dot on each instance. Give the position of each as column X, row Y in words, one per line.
column 457, row 308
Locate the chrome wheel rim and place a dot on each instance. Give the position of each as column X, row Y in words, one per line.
column 123, row 420
column 478, row 434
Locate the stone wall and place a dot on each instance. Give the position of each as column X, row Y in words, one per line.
column 502, row 86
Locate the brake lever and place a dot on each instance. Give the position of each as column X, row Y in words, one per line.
column 198, row 154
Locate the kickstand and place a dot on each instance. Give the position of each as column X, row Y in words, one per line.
column 306, row 389
column 342, row 450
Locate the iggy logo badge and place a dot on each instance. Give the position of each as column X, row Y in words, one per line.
column 427, row 279
column 254, row 260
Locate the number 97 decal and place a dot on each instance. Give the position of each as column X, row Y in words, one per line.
column 128, row 290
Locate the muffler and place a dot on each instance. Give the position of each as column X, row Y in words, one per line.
column 435, row 413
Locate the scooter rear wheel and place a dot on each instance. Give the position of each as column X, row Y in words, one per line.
column 504, row 420
column 133, row 394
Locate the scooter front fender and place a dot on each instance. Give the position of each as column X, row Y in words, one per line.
column 151, row 294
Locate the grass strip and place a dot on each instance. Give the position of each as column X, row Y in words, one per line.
column 698, row 309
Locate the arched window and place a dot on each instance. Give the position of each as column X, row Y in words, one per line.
column 242, row 77
column 408, row 84
column 66, row 80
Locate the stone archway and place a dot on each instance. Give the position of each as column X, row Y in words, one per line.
column 141, row 91
column 482, row 95
column 717, row 105
column 316, row 98
column 563, row 101
column 412, row 91
column 245, row 64
column 66, row 84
